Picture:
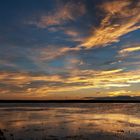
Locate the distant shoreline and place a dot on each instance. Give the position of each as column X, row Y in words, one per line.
column 69, row 101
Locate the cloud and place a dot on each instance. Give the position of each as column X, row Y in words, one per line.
column 50, row 52
column 63, row 13
column 74, row 35
column 71, row 33
column 126, row 51
column 106, row 79
column 121, row 17
column 45, row 58
column 35, row 84
column 7, row 63
column 21, row 78
column 119, row 92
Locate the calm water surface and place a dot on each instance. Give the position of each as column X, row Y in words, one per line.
column 70, row 121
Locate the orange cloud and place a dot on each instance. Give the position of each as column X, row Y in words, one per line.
column 119, row 20
column 119, row 92
column 41, row 84
column 126, row 51
column 62, row 14
column 21, row 78
column 71, row 33
column 52, row 52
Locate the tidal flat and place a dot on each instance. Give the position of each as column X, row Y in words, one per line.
column 70, row 121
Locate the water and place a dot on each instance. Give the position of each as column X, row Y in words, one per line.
column 79, row 121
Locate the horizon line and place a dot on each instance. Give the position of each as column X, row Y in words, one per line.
column 71, row 101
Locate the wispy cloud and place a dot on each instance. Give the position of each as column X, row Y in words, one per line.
column 58, row 55
column 42, row 84
column 126, row 51
column 71, row 33
column 121, row 17
column 50, row 52
column 7, row 63
column 119, row 92
column 62, row 14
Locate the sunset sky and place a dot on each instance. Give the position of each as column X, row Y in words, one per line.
column 69, row 49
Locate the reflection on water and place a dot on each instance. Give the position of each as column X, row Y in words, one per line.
column 70, row 121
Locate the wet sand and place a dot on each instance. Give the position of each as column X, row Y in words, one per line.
column 70, row 121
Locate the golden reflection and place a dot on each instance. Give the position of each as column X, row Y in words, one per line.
column 71, row 120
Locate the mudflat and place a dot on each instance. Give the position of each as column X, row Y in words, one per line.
column 67, row 121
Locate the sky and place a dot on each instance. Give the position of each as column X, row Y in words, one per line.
column 69, row 49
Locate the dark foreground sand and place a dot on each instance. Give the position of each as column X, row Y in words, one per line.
column 5, row 135
column 70, row 122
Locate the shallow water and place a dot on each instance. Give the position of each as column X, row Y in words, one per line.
column 80, row 121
